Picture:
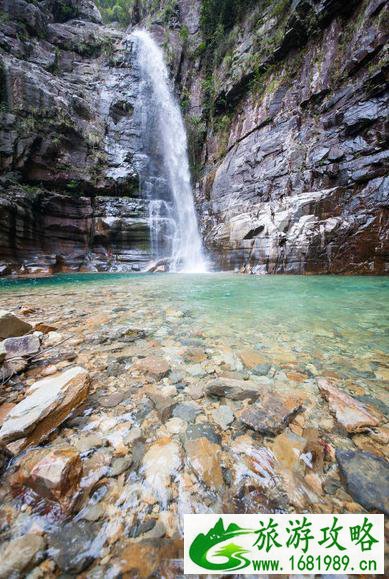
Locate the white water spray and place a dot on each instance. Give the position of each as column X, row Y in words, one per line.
column 187, row 254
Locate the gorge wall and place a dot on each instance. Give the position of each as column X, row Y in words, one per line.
column 285, row 105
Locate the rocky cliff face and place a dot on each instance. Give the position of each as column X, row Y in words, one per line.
column 285, row 104
column 295, row 153
column 69, row 195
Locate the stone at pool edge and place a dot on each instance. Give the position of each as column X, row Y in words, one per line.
column 366, row 477
column 47, row 404
column 11, row 326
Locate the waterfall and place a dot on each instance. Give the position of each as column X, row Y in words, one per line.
column 185, row 243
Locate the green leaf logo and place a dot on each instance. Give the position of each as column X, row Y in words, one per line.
column 199, row 549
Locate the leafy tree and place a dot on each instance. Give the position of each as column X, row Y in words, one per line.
column 116, row 10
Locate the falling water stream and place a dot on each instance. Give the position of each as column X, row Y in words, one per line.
column 186, row 247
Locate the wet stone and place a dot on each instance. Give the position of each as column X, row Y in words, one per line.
column 366, row 477
column 120, row 465
column 270, row 416
column 71, row 546
column 20, row 555
column 348, row 411
column 233, row 389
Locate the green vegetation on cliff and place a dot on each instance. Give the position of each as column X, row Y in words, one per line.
column 116, row 10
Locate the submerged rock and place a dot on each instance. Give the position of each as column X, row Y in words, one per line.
column 11, row 326
column 366, row 477
column 5, row 457
column 160, row 464
column 47, row 404
column 233, row 389
column 251, row 358
column 350, row 413
column 20, row 555
column 204, row 458
column 154, row 367
column 271, row 415
column 53, row 474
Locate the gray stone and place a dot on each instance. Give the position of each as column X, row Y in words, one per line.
column 223, row 416
column 366, row 477
column 261, row 369
column 71, row 546
column 23, row 346
column 202, row 430
column 187, row 411
column 120, row 465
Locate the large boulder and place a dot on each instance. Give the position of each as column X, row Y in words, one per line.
column 12, row 326
column 48, row 403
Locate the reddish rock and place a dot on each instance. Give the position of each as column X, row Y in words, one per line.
column 44, row 328
column 350, row 413
column 271, row 415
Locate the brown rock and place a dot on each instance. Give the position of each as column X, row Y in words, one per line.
column 350, row 413
column 271, row 415
column 48, row 403
column 251, row 358
column 20, row 555
column 204, row 458
column 12, row 326
column 143, row 559
column 153, row 366
column 52, row 474
column 44, row 328
column 195, row 355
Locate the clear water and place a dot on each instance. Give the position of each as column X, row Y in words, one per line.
column 323, row 316
column 302, row 326
column 187, row 252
